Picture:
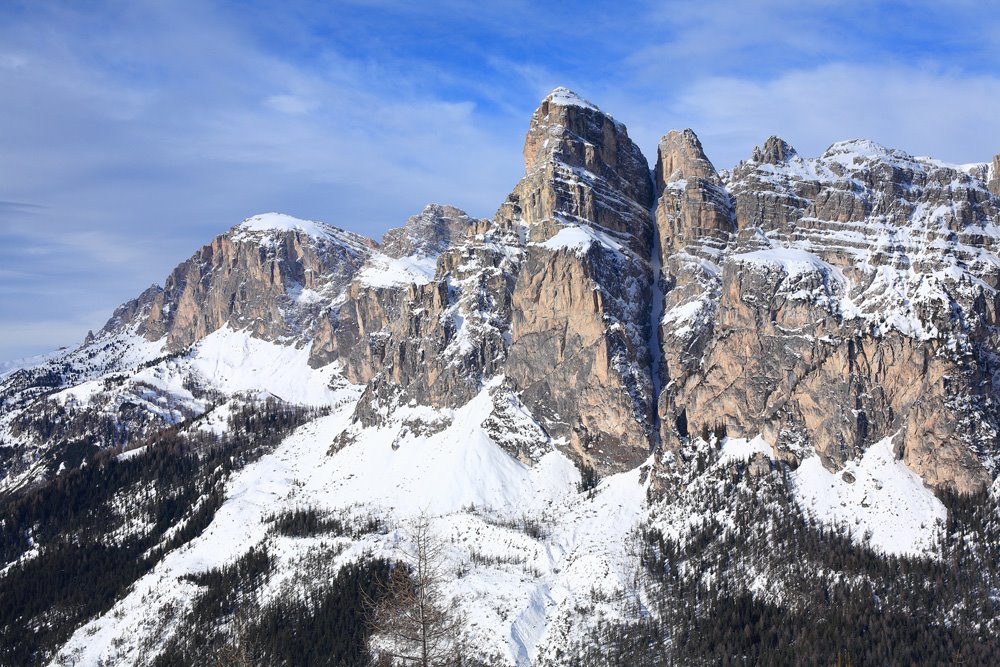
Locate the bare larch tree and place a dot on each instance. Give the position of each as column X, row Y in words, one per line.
column 412, row 624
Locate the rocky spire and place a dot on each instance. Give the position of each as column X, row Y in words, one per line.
column 429, row 233
column 776, row 151
column 581, row 167
column 581, row 301
column 693, row 206
column 680, row 157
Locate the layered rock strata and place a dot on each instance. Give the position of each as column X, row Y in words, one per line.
column 826, row 303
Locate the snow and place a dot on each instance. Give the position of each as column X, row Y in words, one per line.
column 280, row 222
column 520, row 608
column 267, row 228
column 132, row 453
column 793, row 262
column 887, row 502
column 226, row 360
column 741, row 449
column 80, row 394
column 683, row 312
column 566, row 97
column 384, row 271
column 9, row 367
column 238, row 525
column 217, row 420
column 853, row 150
column 914, row 260
column 653, row 343
column 442, row 473
column 517, row 608
column 579, row 238
column 303, row 296
column 234, row 361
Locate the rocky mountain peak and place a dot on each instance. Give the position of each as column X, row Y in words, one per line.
column 294, row 267
column 858, row 153
column 680, row 156
column 564, row 97
column 775, row 151
column 569, row 130
column 280, row 222
column 581, row 168
column 693, row 209
column 429, row 233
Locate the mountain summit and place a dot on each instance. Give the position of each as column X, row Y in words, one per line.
column 631, row 402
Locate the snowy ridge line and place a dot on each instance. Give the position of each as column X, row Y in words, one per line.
column 266, row 226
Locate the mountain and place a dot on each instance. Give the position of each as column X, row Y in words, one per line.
column 649, row 416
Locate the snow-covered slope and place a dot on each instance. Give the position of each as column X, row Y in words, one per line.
column 519, row 588
column 881, row 501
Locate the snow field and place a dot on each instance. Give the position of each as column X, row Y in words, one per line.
column 887, row 504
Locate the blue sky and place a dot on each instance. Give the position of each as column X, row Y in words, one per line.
column 133, row 132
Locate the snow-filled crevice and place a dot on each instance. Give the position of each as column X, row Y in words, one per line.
column 655, row 318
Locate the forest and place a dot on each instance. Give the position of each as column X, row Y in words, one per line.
column 824, row 599
column 73, row 545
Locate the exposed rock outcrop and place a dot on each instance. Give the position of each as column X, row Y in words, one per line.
column 271, row 274
column 581, row 166
column 429, row 233
column 994, row 183
column 825, row 303
column 693, row 206
column 857, row 299
column 581, row 300
column 553, row 294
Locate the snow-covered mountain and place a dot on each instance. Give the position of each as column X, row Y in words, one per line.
column 679, row 414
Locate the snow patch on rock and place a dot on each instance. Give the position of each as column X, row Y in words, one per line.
column 567, row 98
column 384, row 271
column 579, row 238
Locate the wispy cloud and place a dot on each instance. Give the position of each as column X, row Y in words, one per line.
column 27, row 337
column 132, row 132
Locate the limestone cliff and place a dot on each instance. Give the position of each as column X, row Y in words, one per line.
column 552, row 294
column 825, row 303
column 271, row 274
column 857, row 299
column 578, row 354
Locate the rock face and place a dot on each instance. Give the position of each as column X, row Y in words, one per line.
column 578, row 355
column 271, row 273
column 429, row 233
column 994, row 183
column 552, row 295
column 856, row 299
column 825, row 303
column 692, row 205
column 581, row 166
